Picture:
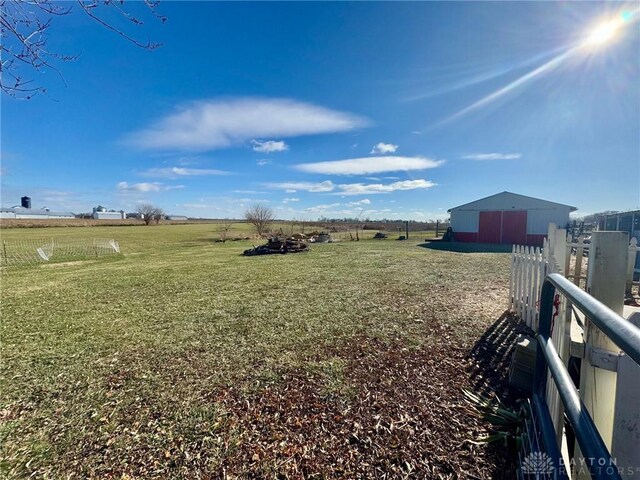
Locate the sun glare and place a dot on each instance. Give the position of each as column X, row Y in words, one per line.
column 603, row 33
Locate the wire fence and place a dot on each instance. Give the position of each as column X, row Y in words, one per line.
column 37, row 251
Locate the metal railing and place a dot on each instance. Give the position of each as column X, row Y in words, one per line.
column 620, row 331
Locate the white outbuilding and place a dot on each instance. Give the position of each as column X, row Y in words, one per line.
column 507, row 218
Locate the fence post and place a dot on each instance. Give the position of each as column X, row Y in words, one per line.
column 512, row 277
column 551, row 235
column 559, row 249
column 579, row 255
column 606, row 280
column 631, row 264
column 626, row 424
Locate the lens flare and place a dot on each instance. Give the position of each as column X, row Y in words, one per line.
column 603, row 33
column 597, row 37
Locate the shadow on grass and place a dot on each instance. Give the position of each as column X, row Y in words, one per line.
column 491, row 356
column 461, row 247
column 489, row 376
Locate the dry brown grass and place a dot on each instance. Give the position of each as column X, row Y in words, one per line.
column 183, row 359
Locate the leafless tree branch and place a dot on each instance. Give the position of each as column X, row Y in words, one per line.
column 24, row 26
column 260, row 216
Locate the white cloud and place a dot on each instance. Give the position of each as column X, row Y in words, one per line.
column 213, row 124
column 352, row 188
column 369, row 165
column 492, row 156
column 364, row 201
column 321, row 209
column 292, row 187
column 377, row 188
column 250, row 192
column 146, row 187
column 192, row 205
column 269, row 146
column 178, row 172
column 384, row 148
column 290, row 199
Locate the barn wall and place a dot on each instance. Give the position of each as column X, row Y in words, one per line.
column 466, row 237
column 465, row 220
column 465, row 223
column 538, row 219
column 535, row 240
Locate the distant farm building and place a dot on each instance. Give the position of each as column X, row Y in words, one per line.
column 101, row 213
column 33, row 213
column 24, row 211
column 177, row 217
column 507, row 218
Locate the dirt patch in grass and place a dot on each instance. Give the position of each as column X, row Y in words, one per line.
column 372, row 408
column 402, row 417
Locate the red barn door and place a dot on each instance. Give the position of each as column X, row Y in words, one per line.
column 489, row 227
column 514, row 227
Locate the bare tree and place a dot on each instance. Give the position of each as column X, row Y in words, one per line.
column 150, row 213
column 24, row 37
column 158, row 215
column 260, row 216
column 223, row 230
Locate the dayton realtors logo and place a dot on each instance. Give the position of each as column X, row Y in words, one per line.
column 538, row 463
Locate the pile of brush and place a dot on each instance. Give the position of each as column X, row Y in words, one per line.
column 278, row 245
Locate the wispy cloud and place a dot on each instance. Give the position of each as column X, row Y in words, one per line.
column 292, row 187
column 250, row 192
column 369, row 165
column 269, row 146
column 492, row 156
column 364, row 201
column 352, row 188
column 213, row 124
column 384, row 148
column 321, row 209
column 290, row 199
column 193, row 205
column 146, row 187
column 379, row 188
column 178, row 172
column 343, row 210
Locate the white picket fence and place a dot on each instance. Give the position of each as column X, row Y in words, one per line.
column 530, row 265
column 615, row 404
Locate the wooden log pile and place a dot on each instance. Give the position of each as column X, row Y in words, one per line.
column 278, row 245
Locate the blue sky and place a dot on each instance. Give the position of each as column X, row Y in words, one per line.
column 379, row 110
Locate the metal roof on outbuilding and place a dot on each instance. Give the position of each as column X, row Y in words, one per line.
column 514, row 200
column 36, row 212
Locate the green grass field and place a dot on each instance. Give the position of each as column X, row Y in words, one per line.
column 124, row 366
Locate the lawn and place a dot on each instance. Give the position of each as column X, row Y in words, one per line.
column 183, row 359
